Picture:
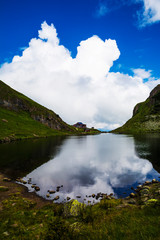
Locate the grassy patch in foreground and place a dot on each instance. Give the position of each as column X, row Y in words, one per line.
column 20, row 219
column 20, row 125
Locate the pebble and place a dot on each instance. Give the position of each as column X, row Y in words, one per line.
column 132, row 195
column 147, row 182
column 154, row 181
column 37, row 188
column 56, row 198
column 51, row 191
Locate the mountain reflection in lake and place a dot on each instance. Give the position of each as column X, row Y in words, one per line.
column 85, row 165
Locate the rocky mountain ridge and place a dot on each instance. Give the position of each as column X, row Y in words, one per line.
column 146, row 115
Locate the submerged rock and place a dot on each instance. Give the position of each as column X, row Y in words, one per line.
column 51, row 191
column 56, row 198
column 37, row 188
column 78, row 196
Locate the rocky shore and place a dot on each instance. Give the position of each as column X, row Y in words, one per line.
column 25, row 215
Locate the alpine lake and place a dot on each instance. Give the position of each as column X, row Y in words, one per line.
column 80, row 167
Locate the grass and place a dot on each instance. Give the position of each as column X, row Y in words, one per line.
column 21, row 126
column 146, row 119
column 21, row 117
column 20, row 219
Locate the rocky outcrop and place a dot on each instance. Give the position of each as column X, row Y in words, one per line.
column 15, row 101
column 146, row 115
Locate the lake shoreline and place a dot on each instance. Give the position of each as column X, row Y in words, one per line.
column 24, row 215
column 22, row 190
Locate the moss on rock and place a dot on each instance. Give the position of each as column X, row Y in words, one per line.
column 73, row 208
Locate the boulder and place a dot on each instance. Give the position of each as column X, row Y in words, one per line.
column 73, row 208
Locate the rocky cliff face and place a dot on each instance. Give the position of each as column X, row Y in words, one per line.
column 146, row 115
column 15, row 101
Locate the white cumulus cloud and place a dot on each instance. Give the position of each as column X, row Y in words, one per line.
column 150, row 13
column 81, row 88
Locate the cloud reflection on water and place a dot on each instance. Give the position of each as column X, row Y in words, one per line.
column 92, row 164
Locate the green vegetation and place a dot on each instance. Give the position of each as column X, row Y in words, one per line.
column 20, row 126
column 107, row 220
column 21, row 118
column 146, row 116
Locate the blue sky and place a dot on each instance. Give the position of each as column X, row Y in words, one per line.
column 133, row 24
column 78, row 20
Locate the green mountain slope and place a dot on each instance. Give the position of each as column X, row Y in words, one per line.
column 146, row 116
column 21, row 117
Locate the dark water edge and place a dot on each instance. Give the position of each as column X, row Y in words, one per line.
column 19, row 158
column 84, row 165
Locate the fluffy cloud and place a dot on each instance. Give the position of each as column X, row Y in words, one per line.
column 142, row 73
column 150, row 13
column 80, row 88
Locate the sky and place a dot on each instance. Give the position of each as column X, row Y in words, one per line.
column 87, row 60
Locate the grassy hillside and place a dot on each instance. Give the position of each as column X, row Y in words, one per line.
column 21, row 117
column 19, row 126
column 146, row 116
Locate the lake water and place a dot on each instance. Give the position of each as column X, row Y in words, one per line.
column 84, row 165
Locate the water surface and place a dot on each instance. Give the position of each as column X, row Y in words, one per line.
column 84, row 165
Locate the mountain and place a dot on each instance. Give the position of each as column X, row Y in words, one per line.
column 146, row 115
column 21, row 117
